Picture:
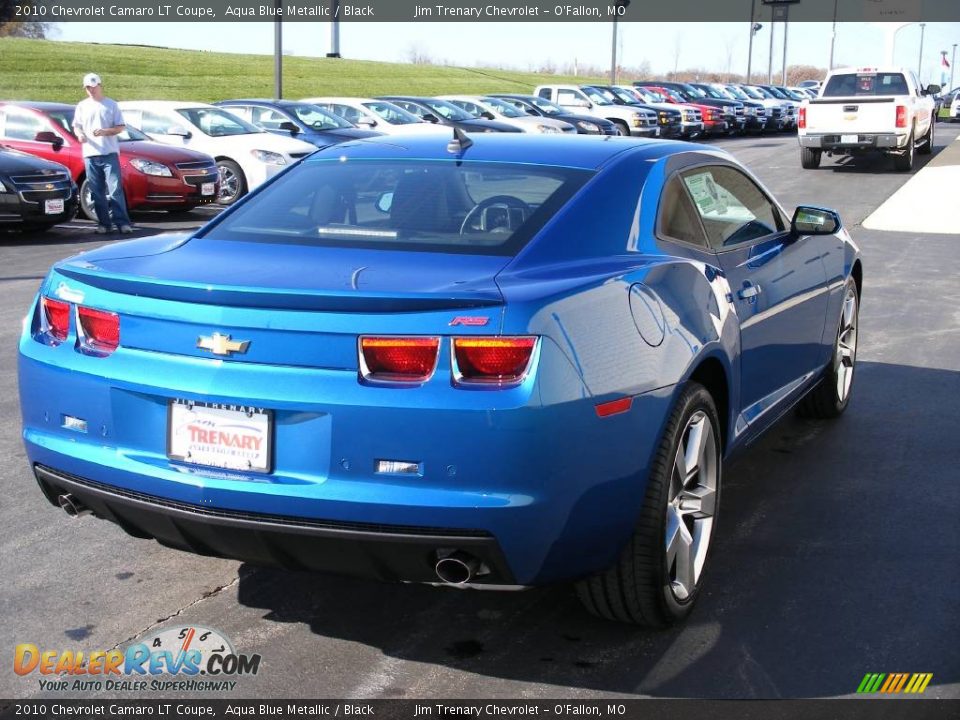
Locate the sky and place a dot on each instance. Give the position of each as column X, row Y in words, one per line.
column 530, row 46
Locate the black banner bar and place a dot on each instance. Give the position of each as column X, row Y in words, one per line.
column 470, row 10
column 613, row 709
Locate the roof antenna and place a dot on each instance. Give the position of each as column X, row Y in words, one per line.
column 459, row 143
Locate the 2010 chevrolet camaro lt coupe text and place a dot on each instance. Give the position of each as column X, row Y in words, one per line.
column 498, row 361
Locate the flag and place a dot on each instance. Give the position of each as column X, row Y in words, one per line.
column 943, row 57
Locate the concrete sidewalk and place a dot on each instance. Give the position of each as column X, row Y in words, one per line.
column 927, row 203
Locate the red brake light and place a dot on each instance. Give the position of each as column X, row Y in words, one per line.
column 57, row 315
column 499, row 360
column 802, row 121
column 901, row 116
column 100, row 329
column 398, row 359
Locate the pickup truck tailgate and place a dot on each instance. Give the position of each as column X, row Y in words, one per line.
column 856, row 115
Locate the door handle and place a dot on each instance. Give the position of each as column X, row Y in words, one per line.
column 748, row 291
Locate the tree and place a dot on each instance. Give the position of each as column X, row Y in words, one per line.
column 36, row 30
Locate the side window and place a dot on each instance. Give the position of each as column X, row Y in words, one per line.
column 410, row 108
column 567, row 97
column 242, row 111
column 21, row 125
column 346, row 112
column 732, row 208
column 152, row 122
column 268, row 118
column 678, row 217
column 544, row 93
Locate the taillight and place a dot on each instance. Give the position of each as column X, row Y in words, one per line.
column 398, row 359
column 57, row 316
column 901, row 116
column 495, row 360
column 802, row 121
column 99, row 330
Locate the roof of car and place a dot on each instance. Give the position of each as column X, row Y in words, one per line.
column 40, row 106
column 582, row 152
column 341, row 100
column 163, row 104
column 259, row 101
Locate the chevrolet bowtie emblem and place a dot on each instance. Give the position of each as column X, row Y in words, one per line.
column 222, row 344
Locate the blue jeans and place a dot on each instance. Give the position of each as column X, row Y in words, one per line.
column 103, row 174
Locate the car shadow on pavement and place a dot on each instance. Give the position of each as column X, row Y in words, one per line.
column 835, row 557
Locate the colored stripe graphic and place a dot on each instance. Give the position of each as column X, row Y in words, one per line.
column 913, row 683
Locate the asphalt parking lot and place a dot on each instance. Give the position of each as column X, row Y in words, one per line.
column 836, row 553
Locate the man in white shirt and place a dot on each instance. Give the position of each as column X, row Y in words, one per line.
column 97, row 121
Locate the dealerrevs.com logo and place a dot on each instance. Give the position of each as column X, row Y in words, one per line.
column 190, row 659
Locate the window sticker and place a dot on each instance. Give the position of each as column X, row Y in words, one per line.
column 708, row 197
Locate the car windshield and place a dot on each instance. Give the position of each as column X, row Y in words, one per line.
column 674, row 95
column 777, row 93
column 447, row 110
column 860, row 84
column 391, row 113
column 693, row 91
column 216, row 122
column 503, row 107
column 753, row 93
column 596, row 96
column 711, row 92
column 317, row 118
column 792, row 94
column 738, row 93
column 64, row 118
column 545, row 106
column 623, row 95
column 450, row 206
column 725, row 93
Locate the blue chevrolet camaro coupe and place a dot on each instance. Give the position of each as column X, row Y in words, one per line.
column 499, row 361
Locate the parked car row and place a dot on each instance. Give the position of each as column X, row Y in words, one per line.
column 179, row 155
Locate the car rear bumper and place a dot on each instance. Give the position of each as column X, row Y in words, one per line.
column 864, row 141
column 383, row 552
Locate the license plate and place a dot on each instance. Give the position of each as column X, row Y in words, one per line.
column 53, row 207
column 234, row 437
column 206, row 189
column 846, row 139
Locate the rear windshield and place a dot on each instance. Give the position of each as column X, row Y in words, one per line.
column 859, row 84
column 435, row 206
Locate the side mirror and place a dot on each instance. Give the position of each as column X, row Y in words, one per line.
column 814, row 221
column 583, row 103
column 290, row 127
column 179, row 132
column 48, row 136
column 933, row 89
column 385, row 202
column 367, row 121
column 431, row 118
column 487, row 115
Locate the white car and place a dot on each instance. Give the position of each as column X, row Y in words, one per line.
column 246, row 155
column 491, row 108
column 955, row 106
column 378, row 115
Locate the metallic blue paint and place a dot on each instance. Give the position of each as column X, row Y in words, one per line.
column 534, row 466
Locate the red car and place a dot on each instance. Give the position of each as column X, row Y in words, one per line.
column 713, row 122
column 155, row 176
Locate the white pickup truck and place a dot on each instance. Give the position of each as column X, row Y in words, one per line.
column 860, row 110
column 587, row 100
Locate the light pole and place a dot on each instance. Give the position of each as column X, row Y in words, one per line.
column 754, row 29
column 953, row 63
column 770, row 57
column 613, row 45
column 334, row 29
column 786, row 27
column 923, row 27
column 278, row 52
column 833, row 33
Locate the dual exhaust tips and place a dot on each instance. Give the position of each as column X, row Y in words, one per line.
column 72, row 507
column 457, row 568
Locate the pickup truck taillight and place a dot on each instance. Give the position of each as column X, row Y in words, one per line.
column 901, row 116
column 802, row 120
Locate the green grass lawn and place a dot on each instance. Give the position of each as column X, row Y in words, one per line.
column 47, row 70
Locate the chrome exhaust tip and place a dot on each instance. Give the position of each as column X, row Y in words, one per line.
column 458, row 568
column 72, row 507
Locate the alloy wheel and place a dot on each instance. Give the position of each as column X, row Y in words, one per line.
column 691, row 505
column 846, row 351
column 229, row 184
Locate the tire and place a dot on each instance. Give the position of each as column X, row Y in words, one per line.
column 86, row 202
column 233, row 183
column 927, row 147
column 622, row 128
column 646, row 585
column 832, row 395
column 904, row 163
column 810, row 159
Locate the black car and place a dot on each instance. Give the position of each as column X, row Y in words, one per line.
column 35, row 194
column 732, row 110
column 754, row 113
column 446, row 113
column 297, row 119
column 541, row 107
column 669, row 120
